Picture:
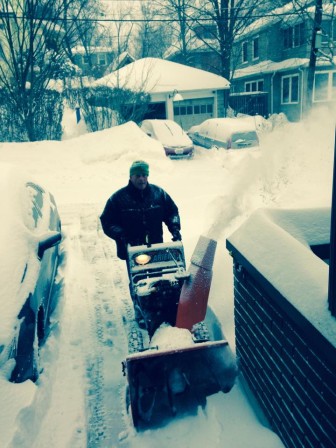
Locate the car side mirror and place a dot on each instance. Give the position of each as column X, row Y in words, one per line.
column 47, row 241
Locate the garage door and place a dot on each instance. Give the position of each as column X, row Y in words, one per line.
column 187, row 113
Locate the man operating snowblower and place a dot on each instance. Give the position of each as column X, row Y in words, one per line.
column 135, row 214
column 173, row 368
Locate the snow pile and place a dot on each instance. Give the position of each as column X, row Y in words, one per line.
column 167, row 337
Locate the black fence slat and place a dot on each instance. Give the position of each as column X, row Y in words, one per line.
column 332, row 264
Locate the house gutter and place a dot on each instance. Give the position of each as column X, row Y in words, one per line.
column 272, row 92
column 215, row 106
column 301, row 105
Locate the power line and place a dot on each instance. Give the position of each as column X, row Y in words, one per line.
column 132, row 20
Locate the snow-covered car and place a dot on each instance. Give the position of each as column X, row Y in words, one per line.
column 174, row 139
column 30, row 233
column 227, row 133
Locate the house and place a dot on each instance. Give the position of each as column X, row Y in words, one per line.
column 199, row 39
column 178, row 92
column 120, row 61
column 93, row 61
column 271, row 63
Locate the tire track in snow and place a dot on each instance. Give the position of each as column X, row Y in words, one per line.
column 109, row 305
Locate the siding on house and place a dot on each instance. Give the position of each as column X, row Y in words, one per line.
column 281, row 42
column 284, row 38
column 94, row 62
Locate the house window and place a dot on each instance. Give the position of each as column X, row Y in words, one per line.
column 328, row 31
column 290, row 89
column 288, row 37
column 85, row 59
column 325, row 86
column 195, row 109
column 294, row 36
column 244, row 52
column 321, row 87
column 254, row 86
column 101, row 59
column 255, row 48
column 298, row 35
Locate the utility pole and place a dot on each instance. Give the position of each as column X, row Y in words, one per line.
column 313, row 55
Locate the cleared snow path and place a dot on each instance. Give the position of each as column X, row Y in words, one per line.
column 109, row 307
column 106, row 299
column 91, row 343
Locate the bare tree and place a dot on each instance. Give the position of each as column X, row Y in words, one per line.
column 87, row 31
column 33, row 34
column 210, row 25
column 121, row 27
column 154, row 36
column 231, row 18
column 320, row 16
column 178, row 14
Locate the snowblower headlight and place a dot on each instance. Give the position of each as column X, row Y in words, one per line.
column 143, row 259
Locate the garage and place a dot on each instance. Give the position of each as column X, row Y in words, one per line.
column 194, row 111
column 178, row 92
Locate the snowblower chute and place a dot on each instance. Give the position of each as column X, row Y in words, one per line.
column 165, row 379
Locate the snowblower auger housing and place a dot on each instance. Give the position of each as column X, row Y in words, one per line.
column 174, row 379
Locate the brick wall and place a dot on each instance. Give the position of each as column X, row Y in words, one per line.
column 289, row 366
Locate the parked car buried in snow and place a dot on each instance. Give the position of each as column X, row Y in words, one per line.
column 30, row 233
column 174, row 139
column 227, row 133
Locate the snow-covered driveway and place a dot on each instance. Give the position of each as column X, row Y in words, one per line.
column 82, row 387
column 80, row 398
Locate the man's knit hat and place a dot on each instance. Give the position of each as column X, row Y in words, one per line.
column 139, row 167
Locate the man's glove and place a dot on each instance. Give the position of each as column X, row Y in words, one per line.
column 121, row 248
column 176, row 235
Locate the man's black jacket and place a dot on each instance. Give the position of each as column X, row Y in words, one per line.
column 135, row 217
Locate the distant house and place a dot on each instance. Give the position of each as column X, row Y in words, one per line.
column 178, row 92
column 93, row 61
column 199, row 56
column 272, row 59
column 120, row 61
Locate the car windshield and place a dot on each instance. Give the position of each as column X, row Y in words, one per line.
column 244, row 136
column 164, row 129
column 170, row 133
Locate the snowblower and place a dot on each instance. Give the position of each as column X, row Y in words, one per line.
column 177, row 353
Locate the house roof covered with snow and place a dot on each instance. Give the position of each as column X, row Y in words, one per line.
column 272, row 67
column 289, row 14
column 155, row 75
